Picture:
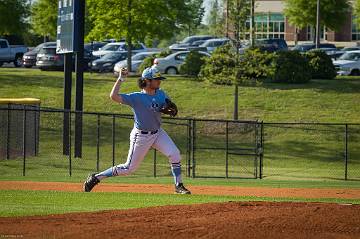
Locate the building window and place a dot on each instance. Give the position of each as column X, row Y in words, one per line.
column 311, row 33
column 267, row 25
column 355, row 31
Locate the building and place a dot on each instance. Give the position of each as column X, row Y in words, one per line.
column 270, row 22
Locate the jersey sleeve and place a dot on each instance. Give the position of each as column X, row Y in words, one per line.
column 128, row 99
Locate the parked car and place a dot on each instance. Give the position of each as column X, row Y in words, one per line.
column 272, row 44
column 309, row 46
column 118, row 46
column 211, row 44
column 94, row 46
column 136, row 61
column 338, row 53
column 348, row 63
column 47, row 59
column 11, row 53
column 268, row 44
column 170, row 64
column 29, row 58
column 107, row 62
column 184, row 44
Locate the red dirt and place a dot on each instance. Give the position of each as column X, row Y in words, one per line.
column 214, row 220
column 204, row 190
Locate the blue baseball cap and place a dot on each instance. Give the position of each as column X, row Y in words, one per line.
column 152, row 73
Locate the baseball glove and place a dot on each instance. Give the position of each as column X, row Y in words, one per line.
column 170, row 108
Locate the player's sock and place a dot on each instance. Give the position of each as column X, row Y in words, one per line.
column 176, row 171
column 105, row 174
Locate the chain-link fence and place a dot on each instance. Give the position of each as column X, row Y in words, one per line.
column 209, row 148
column 311, row 151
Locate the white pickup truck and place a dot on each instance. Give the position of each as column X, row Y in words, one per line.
column 11, row 53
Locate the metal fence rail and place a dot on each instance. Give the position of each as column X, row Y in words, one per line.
column 209, row 148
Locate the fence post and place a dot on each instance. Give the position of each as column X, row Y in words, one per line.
column 255, row 127
column 188, row 153
column 154, row 163
column 227, row 150
column 24, row 140
column 261, row 150
column 98, row 143
column 8, row 133
column 69, row 134
column 193, row 148
column 346, row 151
column 113, row 140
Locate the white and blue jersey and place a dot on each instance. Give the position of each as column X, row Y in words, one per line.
column 146, row 108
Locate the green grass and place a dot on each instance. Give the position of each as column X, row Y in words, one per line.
column 273, row 183
column 296, row 153
column 22, row 203
column 318, row 101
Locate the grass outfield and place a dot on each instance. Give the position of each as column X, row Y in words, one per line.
column 290, row 154
column 199, row 181
column 23, row 203
column 318, row 101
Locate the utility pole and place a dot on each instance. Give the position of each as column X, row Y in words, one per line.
column 252, row 22
column 317, row 42
column 227, row 19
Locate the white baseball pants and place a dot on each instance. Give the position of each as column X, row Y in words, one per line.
column 140, row 144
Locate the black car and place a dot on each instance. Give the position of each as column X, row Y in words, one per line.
column 107, row 62
column 272, row 44
column 309, row 46
column 29, row 58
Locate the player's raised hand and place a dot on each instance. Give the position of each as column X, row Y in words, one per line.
column 122, row 74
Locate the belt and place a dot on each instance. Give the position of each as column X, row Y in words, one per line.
column 149, row 132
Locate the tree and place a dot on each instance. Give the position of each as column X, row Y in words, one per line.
column 197, row 12
column 302, row 13
column 215, row 19
column 13, row 14
column 238, row 13
column 44, row 17
column 356, row 12
column 135, row 20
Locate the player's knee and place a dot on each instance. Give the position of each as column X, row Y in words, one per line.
column 175, row 156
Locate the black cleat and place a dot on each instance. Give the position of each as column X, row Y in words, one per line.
column 90, row 182
column 180, row 189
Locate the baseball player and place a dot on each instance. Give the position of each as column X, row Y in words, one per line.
column 147, row 106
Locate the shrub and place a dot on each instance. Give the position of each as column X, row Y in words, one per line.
column 291, row 67
column 254, row 65
column 192, row 64
column 321, row 65
column 219, row 68
column 226, row 67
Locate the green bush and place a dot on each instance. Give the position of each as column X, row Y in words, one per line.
column 192, row 64
column 226, row 67
column 291, row 67
column 219, row 68
column 254, row 65
column 321, row 65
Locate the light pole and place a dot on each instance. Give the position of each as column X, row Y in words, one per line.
column 317, row 42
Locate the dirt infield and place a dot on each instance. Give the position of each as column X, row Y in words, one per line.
column 214, row 220
column 203, row 190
